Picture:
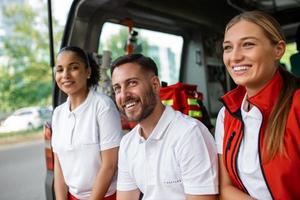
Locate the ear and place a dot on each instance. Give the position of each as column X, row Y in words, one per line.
column 89, row 72
column 155, row 83
column 279, row 49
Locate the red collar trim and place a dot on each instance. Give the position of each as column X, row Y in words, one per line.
column 264, row 99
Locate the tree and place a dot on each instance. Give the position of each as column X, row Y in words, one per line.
column 26, row 77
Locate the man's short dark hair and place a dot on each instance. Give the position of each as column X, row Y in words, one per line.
column 144, row 62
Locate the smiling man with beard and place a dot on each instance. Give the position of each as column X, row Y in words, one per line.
column 168, row 155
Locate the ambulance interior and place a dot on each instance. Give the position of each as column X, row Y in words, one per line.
column 183, row 37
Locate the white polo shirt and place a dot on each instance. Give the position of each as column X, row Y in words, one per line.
column 80, row 135
column 248, row 159
column 178, row 158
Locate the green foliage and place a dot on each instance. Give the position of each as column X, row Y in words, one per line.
column 289, row 51
column 25, row 77
column 116, row 43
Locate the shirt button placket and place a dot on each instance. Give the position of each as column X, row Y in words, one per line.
column 150, row 162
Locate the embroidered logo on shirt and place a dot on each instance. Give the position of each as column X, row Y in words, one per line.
column 173, row 181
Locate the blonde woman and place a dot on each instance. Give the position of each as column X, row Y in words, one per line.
column 258, row 129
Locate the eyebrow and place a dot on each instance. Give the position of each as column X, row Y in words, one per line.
column 116, row 84
column 68, row 64
column 132, row 78
column 243, row 38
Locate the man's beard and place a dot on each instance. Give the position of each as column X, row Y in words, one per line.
column 147, row 106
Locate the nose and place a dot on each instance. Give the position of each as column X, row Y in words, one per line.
column 66, row 73
column 236, row 54
column 122, row 95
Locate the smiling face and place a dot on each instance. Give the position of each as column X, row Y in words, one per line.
column 135, row 91
column 71, row 73
column 250, row 56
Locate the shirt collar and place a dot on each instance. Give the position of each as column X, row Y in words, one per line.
column 161, row 127
column 264, row 99
column 81, row 107
column 267, row 97
column 252, row 113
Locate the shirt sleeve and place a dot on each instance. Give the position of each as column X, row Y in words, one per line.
column 109, row 127
column 198, row 162
column 125, row 181
column 219, row 131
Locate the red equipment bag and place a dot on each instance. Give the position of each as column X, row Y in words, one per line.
column 185, row 98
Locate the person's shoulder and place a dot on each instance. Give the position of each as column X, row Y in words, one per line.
column 221, row 112
column 130, row 136
column 101, row 96
column 186, row 123
column 185, row 119
column 188, row 128
column 60, row 108
column 102, row 99
column 297, row 93
column 296, row 98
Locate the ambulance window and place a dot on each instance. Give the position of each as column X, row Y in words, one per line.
column 165, row 49
column 289, row 51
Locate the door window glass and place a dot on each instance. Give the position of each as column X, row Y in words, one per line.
column 165, row 49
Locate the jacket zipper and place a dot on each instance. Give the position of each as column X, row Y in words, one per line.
column 230, row 140
column 228, row 145
column 236, row 161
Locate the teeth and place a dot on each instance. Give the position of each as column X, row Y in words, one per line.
column 240, row 68
column 67, row 83
column 130, row 104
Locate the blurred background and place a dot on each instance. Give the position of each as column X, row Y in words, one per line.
column 25, row 93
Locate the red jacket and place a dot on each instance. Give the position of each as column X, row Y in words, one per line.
column 282, row 175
